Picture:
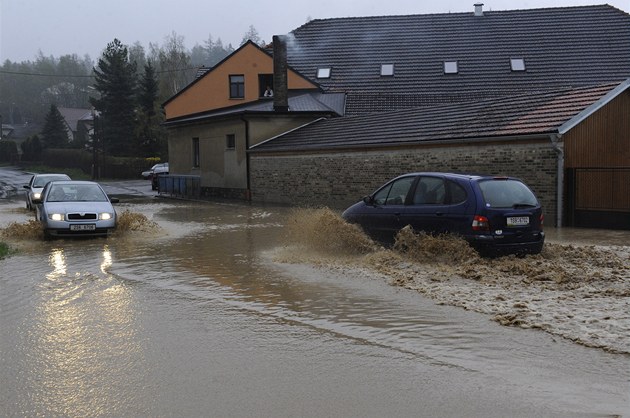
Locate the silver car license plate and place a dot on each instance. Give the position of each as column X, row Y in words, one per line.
column 83, row 227
column 518, row 220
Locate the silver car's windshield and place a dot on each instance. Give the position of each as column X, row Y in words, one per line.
column 76, row 193
column 40, row 181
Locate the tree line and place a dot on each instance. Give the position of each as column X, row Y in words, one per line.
column 125, row 89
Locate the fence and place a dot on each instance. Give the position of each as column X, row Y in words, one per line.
column 180, row 186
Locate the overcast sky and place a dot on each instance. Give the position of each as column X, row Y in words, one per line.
column 60, row 27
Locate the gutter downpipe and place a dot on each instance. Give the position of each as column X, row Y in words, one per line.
column 248, row 191
column 558, row 147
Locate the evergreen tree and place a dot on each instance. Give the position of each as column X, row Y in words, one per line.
column 31, row 149
column 150, row 135
column 115, row 80
column 55, row 131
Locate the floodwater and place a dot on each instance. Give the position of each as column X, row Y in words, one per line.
column 195, row 313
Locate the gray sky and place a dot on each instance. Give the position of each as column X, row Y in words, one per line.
column 60, row 27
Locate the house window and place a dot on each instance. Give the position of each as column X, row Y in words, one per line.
column 450, row 67
column 517, row 64
column 237, row 87
column 387, row 70
column 195, row 149
column 323, row 72
column 230, row 141
column 264, row 81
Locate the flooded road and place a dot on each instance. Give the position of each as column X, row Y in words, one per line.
column 195, row 318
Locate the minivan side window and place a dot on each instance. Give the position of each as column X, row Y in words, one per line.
column 457, row 192
column 394, row 193
column 430, row 191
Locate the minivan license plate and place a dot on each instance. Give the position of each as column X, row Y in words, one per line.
column 87, row 227
column 518, row 221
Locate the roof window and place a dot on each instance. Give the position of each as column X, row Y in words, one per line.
column 450, row 67
column 517, row 64
column 323, row 72
column 387, row 70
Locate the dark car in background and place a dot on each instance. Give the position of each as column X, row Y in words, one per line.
column 156, row 169
column 37, row 183
column 496, row 215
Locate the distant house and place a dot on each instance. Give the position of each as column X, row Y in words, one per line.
column 538, row 93
column 7, row 130
column 78, row 122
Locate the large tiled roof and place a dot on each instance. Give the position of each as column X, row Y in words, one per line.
column 561, row 47
column 525, row 115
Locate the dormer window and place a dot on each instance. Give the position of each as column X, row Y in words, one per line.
column 323, row 72
column 517, row 64
column 450, row 67
column 387, row 70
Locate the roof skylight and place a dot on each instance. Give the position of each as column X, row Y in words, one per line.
column 450, row 67
column 517, row 64
column 387, row 69
column 323, row 72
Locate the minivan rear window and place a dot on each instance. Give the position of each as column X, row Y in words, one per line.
column 506, row 193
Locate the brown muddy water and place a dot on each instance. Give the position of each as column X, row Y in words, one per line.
column 209, row 309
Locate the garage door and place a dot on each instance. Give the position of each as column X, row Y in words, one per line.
column 598, row 197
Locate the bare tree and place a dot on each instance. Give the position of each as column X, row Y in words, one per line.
column 174, row 65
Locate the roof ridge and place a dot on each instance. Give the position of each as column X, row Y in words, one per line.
column 503, row 11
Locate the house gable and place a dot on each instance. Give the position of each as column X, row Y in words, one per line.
column 212, row 90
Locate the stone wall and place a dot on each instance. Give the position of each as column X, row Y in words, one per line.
column 337, row 180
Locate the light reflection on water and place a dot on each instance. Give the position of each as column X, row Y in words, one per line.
column 82, row 337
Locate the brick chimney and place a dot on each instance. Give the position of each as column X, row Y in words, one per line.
column 280, row 83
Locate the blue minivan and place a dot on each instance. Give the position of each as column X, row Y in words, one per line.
column 496, row 215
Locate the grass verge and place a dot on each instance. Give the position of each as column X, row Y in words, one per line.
column 4, row 250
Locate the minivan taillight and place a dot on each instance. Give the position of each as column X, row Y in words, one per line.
column 542, row 220
column 480, row 223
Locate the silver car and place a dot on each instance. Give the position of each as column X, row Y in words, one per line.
column 37, row 183
column 75, row 208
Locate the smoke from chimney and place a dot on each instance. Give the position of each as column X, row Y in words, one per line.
column 280, row 81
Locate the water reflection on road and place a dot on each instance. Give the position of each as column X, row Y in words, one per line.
column 193, row 320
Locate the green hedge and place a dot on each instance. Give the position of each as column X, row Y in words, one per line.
column 109, row 167
column 8, row 151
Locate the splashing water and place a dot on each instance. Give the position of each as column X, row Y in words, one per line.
column 28, row 230
column 562, row 290
column 32, row 229
column 324, row 231
column 133, row 221
column 423, row 248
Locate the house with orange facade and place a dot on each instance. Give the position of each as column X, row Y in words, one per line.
column 217, row 118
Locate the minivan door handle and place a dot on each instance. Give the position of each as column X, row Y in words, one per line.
column 439, row 213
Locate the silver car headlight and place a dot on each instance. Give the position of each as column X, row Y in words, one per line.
column 105, row 216
column 56, row 216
